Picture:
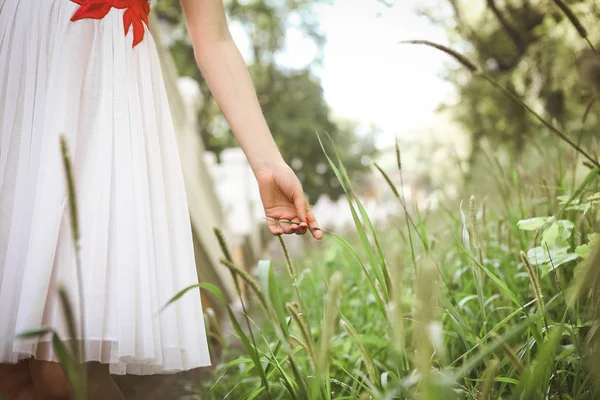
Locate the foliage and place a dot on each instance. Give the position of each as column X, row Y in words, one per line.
column 534, row 49
column 475, row 317
column 428, row 312
column 292, row 100
column 438, row 308
column 554, row 247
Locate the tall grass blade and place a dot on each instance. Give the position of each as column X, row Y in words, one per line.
column 273, row 297
column 488, row 384
column 537, row 381
column 73, row 370
column 359, row 227
column 463, row 60
column 206, row 286
column 251, row 350
column 298, row 317
column 70, row 322
column 380, row 301
column 497, row 281
column 328, row 323
column 366, row 356
column 80, row 382
column 589, row 178
column 365, row 217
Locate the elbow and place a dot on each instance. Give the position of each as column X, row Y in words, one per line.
column 208, row 43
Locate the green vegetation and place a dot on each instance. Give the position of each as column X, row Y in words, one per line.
column 497, row 299
column 487, row 301
column 540, row 50
column 470, row 305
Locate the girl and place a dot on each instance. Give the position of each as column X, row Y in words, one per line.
column 88, row 69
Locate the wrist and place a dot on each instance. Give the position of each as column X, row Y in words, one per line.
column 268, row 164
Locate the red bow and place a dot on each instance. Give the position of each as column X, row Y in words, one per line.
column 136, row 13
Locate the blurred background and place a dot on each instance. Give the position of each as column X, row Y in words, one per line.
column 339, row 67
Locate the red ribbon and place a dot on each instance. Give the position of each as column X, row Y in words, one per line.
column 136, row 14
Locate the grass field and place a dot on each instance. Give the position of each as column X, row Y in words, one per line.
column 494, row 299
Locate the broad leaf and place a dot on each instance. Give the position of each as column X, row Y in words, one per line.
column 533, row 224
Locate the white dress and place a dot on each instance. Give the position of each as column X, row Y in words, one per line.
column 102, row 88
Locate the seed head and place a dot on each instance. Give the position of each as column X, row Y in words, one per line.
column 459, row 57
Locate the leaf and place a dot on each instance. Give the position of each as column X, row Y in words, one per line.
column 33, row 333
column 533, row 224
column 557, row 233
column 585, row 250
column 250, row 349
column 595, row 197
column 534, row 379
column 69, row 316
column 206, row 286
column 360, row 230
column 566, row 228
column 552, row 259
column 269, row 286
column 255, row 392
column 499, row 282
column 558, row 255
column 560, row 260
column 550, row 235
column 348, row 246
column 584, row 208
column 590, row 177
column 565, row 199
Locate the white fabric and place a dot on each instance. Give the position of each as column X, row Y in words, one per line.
column 84, row 79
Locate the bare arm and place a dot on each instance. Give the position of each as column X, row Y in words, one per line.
column 229, row 81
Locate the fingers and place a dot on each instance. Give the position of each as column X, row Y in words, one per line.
column 275, row 227
column 303, row 222
column 305, row 214
column 287, row 227
column 302, row 226
column 313, row 226
column 283, row 226
column 301, row 205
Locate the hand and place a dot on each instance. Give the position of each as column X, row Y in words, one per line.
column 286, row 207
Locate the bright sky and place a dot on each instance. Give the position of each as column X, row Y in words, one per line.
column 366, row 75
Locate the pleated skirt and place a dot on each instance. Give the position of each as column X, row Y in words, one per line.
column 84, row 80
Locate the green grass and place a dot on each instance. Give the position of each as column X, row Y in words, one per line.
column 484, row 315
column 504, row 305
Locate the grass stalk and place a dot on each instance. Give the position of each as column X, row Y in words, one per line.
column 471, row 67
column 75, row 232
column 328, row 323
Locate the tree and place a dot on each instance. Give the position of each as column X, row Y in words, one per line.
column 292, row 100
column 530, row 48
